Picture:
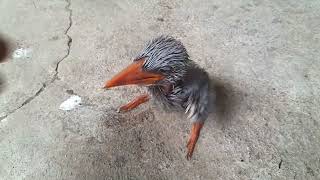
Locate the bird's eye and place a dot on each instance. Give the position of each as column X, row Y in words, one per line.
column 162, row 70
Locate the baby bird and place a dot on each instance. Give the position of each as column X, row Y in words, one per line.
column 172, row 79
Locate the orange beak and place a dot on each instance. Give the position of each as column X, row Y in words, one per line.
column 134, row 74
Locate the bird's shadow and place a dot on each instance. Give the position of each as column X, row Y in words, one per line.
column 3, row 83
column 225, row 102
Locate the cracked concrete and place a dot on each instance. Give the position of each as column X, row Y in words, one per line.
column 69, row 38
column 55, row 76
column 262, row 56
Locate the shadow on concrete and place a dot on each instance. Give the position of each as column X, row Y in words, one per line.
column 227, row 99
column 2, row 83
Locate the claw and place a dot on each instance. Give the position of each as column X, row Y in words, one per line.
column 124, row 109
column 133, row 104
column 189, row 156
column 188, row 143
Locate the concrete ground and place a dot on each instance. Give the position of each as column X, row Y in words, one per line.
column 263, row 57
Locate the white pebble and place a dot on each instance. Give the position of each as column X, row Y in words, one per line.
column 70, row 103
column 21, row 53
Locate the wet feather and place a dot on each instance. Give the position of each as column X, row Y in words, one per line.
column 188, row 82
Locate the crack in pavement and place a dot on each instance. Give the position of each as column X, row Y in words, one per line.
column 280, row 163
column 55, row 76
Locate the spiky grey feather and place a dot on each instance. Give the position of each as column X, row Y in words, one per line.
column 188, row 83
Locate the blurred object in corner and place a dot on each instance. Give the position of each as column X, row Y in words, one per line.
column 4, row 49
column 4, row 53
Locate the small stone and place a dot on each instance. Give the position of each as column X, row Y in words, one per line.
column 70, row 91
column 160, row 19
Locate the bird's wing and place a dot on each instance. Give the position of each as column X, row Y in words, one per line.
column 197, row 102
column 197, row 96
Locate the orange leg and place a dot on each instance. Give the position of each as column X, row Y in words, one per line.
column 135, row 103
column 194, row 135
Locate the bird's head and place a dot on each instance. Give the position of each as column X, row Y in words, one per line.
column 163, row 60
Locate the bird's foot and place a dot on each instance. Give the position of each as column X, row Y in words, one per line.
column 133, row 104
column 190, row 146
column 194, row 135
column 121, row 110
column 124, row 108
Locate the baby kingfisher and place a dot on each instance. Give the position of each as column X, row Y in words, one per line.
column 172, row 79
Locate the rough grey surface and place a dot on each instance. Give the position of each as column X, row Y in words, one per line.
column 263, row 57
